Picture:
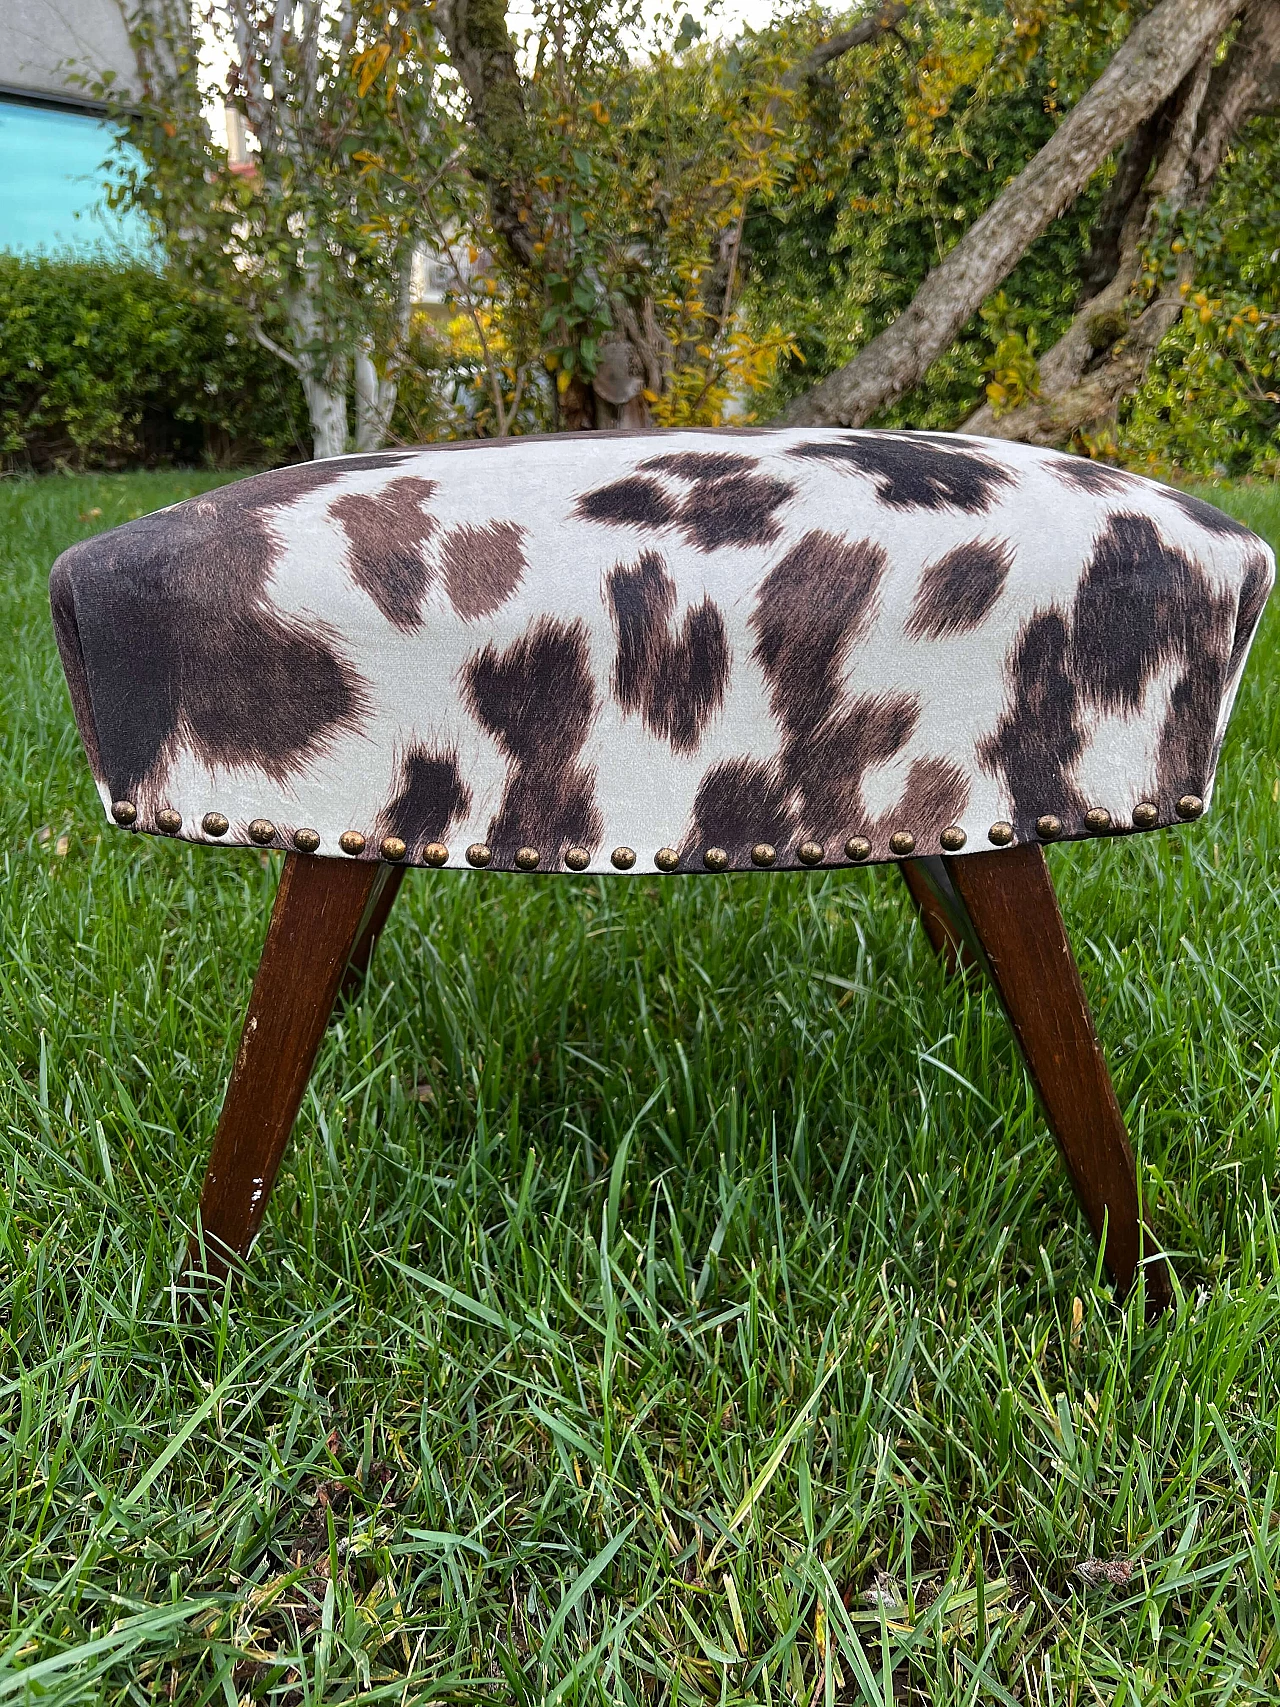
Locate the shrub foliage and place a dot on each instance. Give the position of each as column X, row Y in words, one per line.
column 109, row 364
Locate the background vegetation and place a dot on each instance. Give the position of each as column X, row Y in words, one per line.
column 671, row 1295
column 113, row 364
column 647, row 226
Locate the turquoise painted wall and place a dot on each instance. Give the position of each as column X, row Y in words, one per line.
column 51, row 184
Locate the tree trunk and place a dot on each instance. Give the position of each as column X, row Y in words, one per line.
column 1157, row 55
column 375, row 400
column 323, row 375
column 1106, row 352
column 327, row 407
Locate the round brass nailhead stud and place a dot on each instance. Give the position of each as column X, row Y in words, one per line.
column 168, row 820
column 435, row 853
column 953, row 838
column 902, row 842
column 214, row 824
column 478, row 854
column 763, row 854
column 810, row 853
column 1145, row 815
column 262, row 831
column 577, row 859
column 1048, row 828
column 124, row 812
column 351, row 842
column 858, row 847
column 527, row 859
column 666, row 859
column 1190, row 806
column 1097, row 820
column 715, row 859
column 393, row 848
column 306, row 841
column 623, row 858
column 1000, row 833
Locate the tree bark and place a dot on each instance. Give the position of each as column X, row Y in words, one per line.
column 1157, row 55
column 483, row 54
column 1086, row 375
column 327, row 408
column 1123, row 194
column 375, row 399
column 324, row 377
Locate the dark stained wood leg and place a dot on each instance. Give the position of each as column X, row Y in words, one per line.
column 358, row 964
column 935, row 901
column 319, row 910
column 1009, row 902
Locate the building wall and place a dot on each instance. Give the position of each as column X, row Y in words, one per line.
column 40, row 36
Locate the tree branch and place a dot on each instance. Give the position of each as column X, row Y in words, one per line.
column 1158, row 53
column 276, row 349
column 1241, row 86
column 1084, row 377
column 1122, row 194
column 875, row 24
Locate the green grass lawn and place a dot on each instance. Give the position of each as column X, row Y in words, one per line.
column 672, row 1293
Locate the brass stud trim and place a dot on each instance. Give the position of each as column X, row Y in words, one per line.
column 623, row 858
column 715, row 859
column 763, row 854
column 1000, row 834
column 1190, row 806
column 214, row 824
column 351, row 842
column 124, row 812
column 306, row 841
column 262, row 831
column 479, row 854
column 953, row 838
column 1097, row 820
column 168, row 820
column 811, row 853
column 577, row 859
column 666, row 859
column 527, row 859
column 902, row 842
column 1048, row 827
column 393, row 849
column 1145, row 814
column 435, row 853
column 858, row 848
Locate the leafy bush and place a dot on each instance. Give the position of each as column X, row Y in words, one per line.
column 1211, row 403
column 106, row 364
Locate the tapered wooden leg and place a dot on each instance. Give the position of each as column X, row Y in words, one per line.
column 934, row 900
column 320, row 907
column 1009, row 902
column 367, row 941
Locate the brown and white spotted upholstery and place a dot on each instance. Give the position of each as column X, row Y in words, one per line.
column 684, row 651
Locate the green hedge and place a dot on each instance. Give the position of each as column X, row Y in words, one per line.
column 108, row 365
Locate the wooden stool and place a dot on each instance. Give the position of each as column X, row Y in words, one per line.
column 697, row 651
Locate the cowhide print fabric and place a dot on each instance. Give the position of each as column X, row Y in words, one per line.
column 714, row 649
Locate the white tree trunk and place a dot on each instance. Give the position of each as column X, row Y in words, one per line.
column 323, row 376
column 327, row 407
column 375, row 400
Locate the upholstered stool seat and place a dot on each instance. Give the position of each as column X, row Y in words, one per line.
column 685, row 652
column 788, row 648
